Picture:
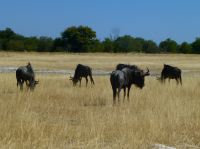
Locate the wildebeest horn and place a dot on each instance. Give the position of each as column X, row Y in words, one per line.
column 36, row 82
column 147, row 73
column 70, row 77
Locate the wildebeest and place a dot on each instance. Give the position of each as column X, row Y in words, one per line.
column 121, row 66
column 171, row 72
column 26, row 74
column 122, row 79
column 82, row 71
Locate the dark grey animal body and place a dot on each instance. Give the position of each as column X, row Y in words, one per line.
column 26, row 74
column 171, row 72
column 82, row 71
column 122, row 79
column 121, row 66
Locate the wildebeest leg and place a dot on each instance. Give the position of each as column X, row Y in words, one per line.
column 164, row 80
column 18, row 82
column 21, row 85
column 169, row 80
column 119, row 89
column 177, row 82
column 124, row 93
column 80, row 82
column 86, row 81
column 180, row 79
column 129, row 87
column 91, row 79
column 114, row 95
column 27, row 84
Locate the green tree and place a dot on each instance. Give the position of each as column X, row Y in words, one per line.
column 185, row 48
column 79, row 39
column 58, row 45
column 169, row 46
column 31, row 44
column 10, row 34
column 7, row 34
column 7, row 38
column 45, row 44
column 95, row 46
column 15, row 45
column 196, row 46
column 1, row 43
column 108, row 45
column 150, row 46
column 127, row 44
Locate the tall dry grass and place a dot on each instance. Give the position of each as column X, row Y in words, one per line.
column 58, row 115
column 99, row 61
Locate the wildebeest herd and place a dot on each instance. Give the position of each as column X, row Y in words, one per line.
column 121, row 78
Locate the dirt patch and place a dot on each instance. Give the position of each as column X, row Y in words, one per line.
column 95, row 72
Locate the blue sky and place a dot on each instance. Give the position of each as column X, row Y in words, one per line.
column 149, row 19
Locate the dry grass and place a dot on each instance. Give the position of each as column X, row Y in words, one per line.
column 99, row 61
column 58, row 115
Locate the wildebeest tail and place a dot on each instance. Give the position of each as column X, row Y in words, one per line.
column 113, row 80
column 18, row 73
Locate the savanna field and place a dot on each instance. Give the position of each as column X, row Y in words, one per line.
column 58, row 115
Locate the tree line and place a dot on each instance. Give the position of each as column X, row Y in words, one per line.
column 83, row 39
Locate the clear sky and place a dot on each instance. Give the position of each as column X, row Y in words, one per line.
column 149, row 19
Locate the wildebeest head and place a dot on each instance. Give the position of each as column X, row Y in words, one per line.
column 32, row 84
column 140, row 77
column 75, row 81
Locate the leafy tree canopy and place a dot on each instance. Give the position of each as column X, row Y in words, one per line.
column 79, row 38
column 169, row 46
column 185, row 48
column 196, row 46
column 127, row 44
column 83, row 39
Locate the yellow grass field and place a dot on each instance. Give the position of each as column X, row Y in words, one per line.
column 58, row 115
column 99, row 61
